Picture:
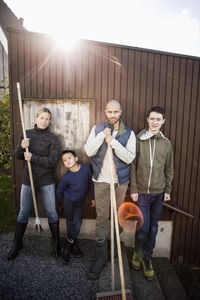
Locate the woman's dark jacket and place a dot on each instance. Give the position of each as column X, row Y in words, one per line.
column 44, row 147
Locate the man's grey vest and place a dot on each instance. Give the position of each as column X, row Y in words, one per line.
column 122, row 169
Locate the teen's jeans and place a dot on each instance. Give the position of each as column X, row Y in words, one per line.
column 26, row 203
column 74, row 216
column 145, row 238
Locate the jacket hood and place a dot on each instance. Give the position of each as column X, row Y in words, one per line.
column 146, row 135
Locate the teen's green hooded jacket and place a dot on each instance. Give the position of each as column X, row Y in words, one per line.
column 152, row 169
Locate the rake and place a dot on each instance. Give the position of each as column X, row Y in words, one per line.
column 37, row 219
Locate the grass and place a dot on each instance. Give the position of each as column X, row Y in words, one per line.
column 7, row 214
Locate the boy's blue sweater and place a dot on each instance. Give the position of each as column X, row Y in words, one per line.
column 74, row 185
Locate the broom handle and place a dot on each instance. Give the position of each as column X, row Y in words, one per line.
column 29, row 164
column 113, row 200
column 112, row 233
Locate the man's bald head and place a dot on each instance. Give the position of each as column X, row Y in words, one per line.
column 113, row 103
column 113, row 112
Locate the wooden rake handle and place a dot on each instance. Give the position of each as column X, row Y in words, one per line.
column 37, row 221
column 114, row 208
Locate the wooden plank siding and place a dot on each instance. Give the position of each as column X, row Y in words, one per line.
column 138, row 78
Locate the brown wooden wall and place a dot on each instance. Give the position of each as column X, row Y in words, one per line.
column 139, row 79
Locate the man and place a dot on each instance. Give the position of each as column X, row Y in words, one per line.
column 123, row 142
column 151, row 183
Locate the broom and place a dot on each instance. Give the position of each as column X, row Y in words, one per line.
column 123, row 293
column 37, row 219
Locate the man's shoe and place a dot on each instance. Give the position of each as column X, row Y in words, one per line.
column 148, row 269
column 75, row 250
column 136, row 261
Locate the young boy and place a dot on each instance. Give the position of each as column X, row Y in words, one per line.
column 71, row 191
column 151, row 183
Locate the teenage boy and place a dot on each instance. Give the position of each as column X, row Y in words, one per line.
column 72, row 191
column 151, row 184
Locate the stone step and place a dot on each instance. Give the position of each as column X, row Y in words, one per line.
column 168, row 279
column 165, row 286
column 143, row 289
column 105, row 280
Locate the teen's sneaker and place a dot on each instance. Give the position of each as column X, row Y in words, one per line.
column 148, row 269
column 136, row 261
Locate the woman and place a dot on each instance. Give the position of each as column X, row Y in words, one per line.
column 43, row 154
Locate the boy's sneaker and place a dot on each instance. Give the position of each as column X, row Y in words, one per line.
column 136, row 261
column 148, row 269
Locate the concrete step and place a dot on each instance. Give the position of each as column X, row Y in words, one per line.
column 165, row 286
column 143, row 289
column 168, row 279
column 105, row 280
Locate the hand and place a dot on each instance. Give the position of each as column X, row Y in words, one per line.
column 25, row 143
column 166, row 197
column 93, row 203
column 27, row 156
column 107, row 131
column 134, row 197
column 108, row 139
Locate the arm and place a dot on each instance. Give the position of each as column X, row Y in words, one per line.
column 169, row 173
column 127, row 154
column 133, row 176
column 91, row 186
column 61, row 188
column 94, row 142
column 51, row 159
column 19, row 150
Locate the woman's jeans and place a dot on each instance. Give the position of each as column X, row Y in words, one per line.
column 74, row 216
column 145, row 238
column 26, row 203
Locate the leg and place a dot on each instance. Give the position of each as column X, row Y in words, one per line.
column 26, row 204
column 155, row 212
column 77, row 221
column 69, row 215
column 120, row 192
column 102, row 197
column 48, row 196
column 141, row 234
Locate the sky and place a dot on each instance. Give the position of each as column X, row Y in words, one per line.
column 166, row 25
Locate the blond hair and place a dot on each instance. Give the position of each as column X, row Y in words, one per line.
column 42, row 110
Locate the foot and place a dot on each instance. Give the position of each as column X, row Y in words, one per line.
column 12, row 254
column 148, row 269
column 65, row 253
column 55, row 248
column 96, row 268
column 136, row 261
column 75, row 250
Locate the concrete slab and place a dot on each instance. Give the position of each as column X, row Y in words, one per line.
column 163, row 241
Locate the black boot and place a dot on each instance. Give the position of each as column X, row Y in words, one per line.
column 17, row 243
column 65, row 253
column 75, row 250
column 54, row 227
column 101, row 259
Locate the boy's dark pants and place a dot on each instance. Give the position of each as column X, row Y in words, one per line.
column 74, row 216
column 145, row 238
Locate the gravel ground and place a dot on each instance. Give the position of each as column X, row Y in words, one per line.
column 35, row 274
